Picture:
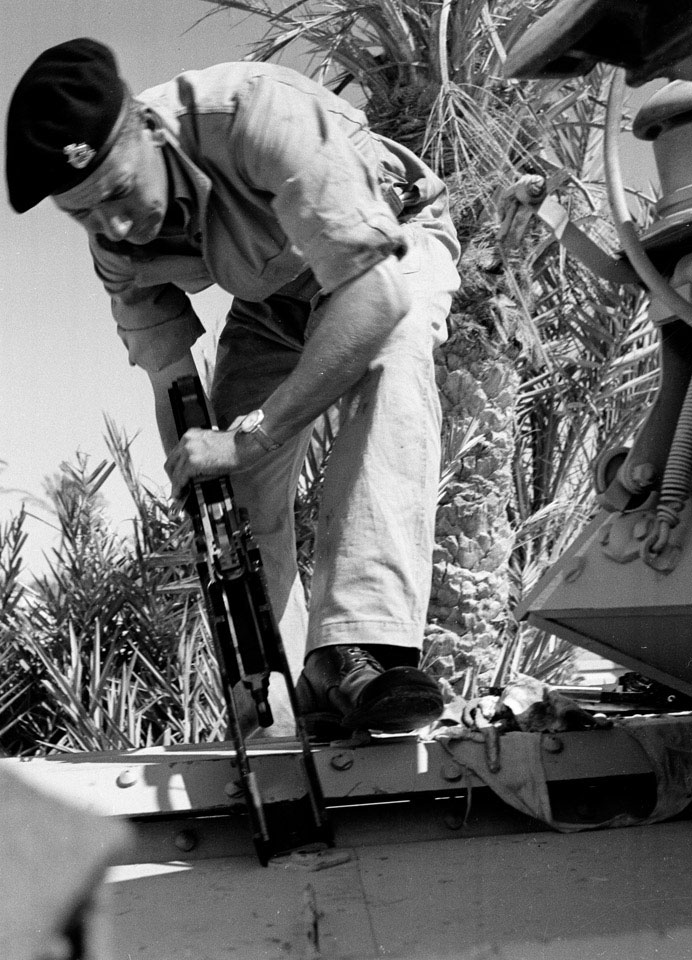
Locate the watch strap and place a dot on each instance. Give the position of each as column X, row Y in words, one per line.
column 252, row 424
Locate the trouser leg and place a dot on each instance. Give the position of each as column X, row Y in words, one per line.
column 268, row 494
column 372, row 563
column 258, row 349
column 373, row 555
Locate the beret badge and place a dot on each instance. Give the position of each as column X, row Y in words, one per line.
column 79, row 155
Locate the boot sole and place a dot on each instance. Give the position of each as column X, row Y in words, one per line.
column 399, row 713
column 399, row 701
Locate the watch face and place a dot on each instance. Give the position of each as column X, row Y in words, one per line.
column 252, row 420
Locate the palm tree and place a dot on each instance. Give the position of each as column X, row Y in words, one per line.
column 544, row 363
column 544, row 366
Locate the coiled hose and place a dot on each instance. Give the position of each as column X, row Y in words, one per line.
column 677, row 480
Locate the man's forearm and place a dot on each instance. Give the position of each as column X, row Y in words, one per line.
column 161, row 381
column 358, row 319
column 166, row 425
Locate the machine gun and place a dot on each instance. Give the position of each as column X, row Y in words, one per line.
column 247, row 640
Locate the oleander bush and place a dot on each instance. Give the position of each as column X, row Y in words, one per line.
column 109, row 648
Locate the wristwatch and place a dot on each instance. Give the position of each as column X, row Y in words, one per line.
column 252, row 424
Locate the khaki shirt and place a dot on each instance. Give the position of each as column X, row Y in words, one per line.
column 274, row 174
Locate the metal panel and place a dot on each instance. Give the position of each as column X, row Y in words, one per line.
column 179, row 780
column 602, row 596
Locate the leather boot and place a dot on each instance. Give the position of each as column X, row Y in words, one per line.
column 342, row 689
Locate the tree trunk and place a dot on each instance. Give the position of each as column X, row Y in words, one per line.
column 478, row 381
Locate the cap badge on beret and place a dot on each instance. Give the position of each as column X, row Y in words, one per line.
column 79, row 155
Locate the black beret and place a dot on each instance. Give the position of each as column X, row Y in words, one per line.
column 62, row 120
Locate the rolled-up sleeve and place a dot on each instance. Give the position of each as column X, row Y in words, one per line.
column 157, row 322
column 324, row 190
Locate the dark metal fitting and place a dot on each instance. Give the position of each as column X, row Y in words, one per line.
column 452, row 772
column 186, row 840
column 575, row 570
column 341, row 761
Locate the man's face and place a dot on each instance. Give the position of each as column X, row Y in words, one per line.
column 127, row 197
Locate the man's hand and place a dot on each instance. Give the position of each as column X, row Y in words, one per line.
column 204, row 454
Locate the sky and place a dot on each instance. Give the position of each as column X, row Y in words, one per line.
column 62, row 365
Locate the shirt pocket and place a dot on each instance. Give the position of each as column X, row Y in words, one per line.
column 187, row 273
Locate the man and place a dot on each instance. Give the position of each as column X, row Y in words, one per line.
column 337, row 247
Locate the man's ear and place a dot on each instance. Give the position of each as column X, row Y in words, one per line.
column 154, row 127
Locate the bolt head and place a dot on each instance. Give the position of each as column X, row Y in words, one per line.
column 186, row 840
column 341, row 761
column 644, row 474
column 126, row 778
column 451, row 772
column 233, row 789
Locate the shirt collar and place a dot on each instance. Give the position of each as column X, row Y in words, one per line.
column 185, row 211
column 190, row 187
